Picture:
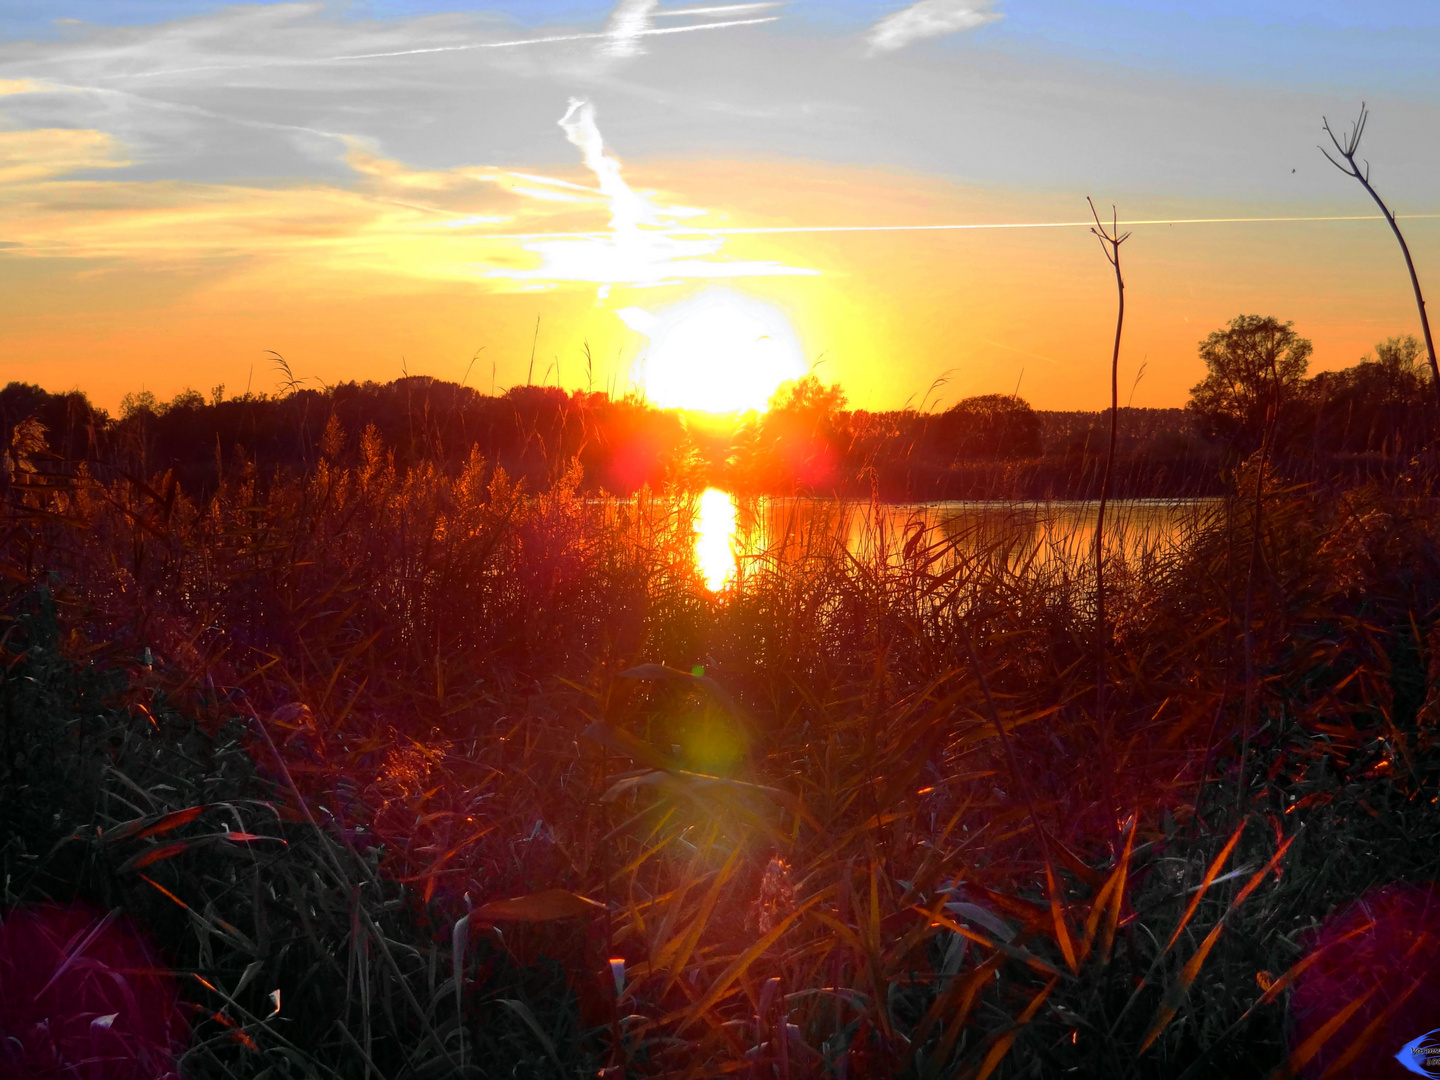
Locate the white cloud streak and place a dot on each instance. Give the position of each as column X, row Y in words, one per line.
column 720, row 9
column 619, row 41
column 643, row 247
column 629, row 20
column 928, row 19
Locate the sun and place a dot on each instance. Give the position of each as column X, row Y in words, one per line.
column 718, row 352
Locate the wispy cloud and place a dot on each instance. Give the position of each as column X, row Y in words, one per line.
column 928, row 19
column 629, row 20
column 284, row 36
column 27, row 156
column 644, row 245
column 273, row 89
column 632, row 21
column 391, row 220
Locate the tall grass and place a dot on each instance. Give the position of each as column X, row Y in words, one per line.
column 485, row 781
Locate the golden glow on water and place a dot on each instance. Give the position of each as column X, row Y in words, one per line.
column 768, row 533
column 715, row 538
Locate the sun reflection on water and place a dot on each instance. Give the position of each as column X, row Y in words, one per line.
column 715, row 538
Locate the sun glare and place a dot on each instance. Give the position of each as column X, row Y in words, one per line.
column 715, row 538
column 719, row 352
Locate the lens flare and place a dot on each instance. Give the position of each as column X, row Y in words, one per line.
column 715, row 538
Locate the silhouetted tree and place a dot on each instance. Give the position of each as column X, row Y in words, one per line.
column 987, row 427
column 1256, row 369
column 799, row 443
column 1379, row 406
column 72, row 424
column 808, row 396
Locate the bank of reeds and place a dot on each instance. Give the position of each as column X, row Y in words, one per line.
column 485, row 782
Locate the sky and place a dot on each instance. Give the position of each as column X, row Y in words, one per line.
column 700, row 196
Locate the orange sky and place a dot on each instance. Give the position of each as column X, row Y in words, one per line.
column 164, row 285
column 373, row 196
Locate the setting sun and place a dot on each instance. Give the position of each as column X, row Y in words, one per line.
column 718, row 352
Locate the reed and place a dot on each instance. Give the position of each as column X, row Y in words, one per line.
column 527, row 799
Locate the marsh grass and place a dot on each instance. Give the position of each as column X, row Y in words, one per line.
column 485, row 782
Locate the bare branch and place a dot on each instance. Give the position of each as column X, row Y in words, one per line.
column 1347, row 150
column 1110, row 241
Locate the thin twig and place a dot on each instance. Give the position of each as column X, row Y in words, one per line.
column 1347, row 151
column 1110, row 241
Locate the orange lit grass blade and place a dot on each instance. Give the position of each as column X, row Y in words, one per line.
column 1210, row 875
column 872, row 923
column 1339, row 1066
column 1062, row 926
column 1117, row 899
column 686, row 946
column 1306, row 962
column 961, row 996
column 171, row 821
column 1002, row 1045
column 164, row 891
column 138, row 829
column 1025, row 957
column 429, row 875
column 545, row 906
column 1175, row 995
column 1076, row 865
column 843, row 934
column 1311, row 1046
column 1260, row 875
column 355, row 651
column 122, row 831
column 921, row 930
column 941, row 1006
column 154, row 855
column 742, row 963
column 1032, row 916
column 874, row 948
column 1107, row 899
column 1057, row 913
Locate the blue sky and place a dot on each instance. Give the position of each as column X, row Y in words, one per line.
column 164, row 111
column 1384, row 47
column 1286, row 60
column 1342, row 13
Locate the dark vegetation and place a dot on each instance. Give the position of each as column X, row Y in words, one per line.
column 1363, row 422
column 410, row 757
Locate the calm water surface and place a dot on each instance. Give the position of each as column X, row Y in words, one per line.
column 731, row 532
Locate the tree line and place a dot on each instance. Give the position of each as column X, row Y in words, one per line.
column 1368, row 420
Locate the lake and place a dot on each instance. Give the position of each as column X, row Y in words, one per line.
column 731, row 531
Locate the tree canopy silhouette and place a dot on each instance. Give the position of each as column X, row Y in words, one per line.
column 1255, row 370
column 1382, row 405
column 988, row 427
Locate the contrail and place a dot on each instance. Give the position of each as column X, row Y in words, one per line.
column 593, row 36
column 1036, row 224
column 191, row 110
column 467, row 47
column 722, row 9
column 771, row 230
